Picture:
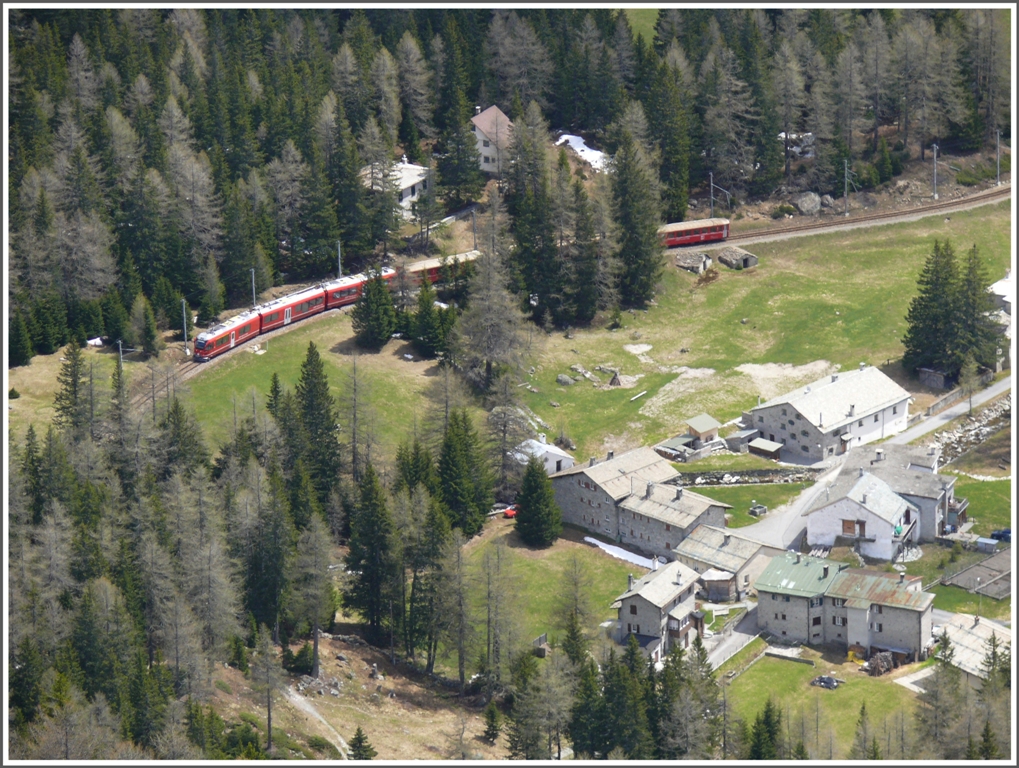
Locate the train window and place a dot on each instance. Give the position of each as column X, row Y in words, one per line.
column 221, row 342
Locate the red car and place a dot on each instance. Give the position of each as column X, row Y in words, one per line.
column 510, row 512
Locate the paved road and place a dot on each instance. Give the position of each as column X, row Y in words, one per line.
column 783, row 527
column 744, row 630
column 962, row 407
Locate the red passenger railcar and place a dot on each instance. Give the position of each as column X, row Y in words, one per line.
column 347, row 290
column 693, row 232
column 433, row 267
column 227, row 335
column 295, row 306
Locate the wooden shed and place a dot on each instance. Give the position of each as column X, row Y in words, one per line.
column 765, row 448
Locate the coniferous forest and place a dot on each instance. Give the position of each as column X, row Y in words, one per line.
column 166, row 156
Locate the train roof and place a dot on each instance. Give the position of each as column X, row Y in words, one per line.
column 360, row 277
column 291, row 297
column 228, row 325
column 681, row 225
column 433, row 263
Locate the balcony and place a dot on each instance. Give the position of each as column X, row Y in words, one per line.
column 957, row 511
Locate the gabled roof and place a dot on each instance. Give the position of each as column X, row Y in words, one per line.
column 495, row 125
column 659, row 587
column 613, row 476
column 538, row 449
column 806, row 578
column 873, row 494
column 663, row 505
column 825, row 403
column 403, row 175
column 861, row 589
column 969, row 641
column 906, row 469
column 720, row 548
column 702, row 423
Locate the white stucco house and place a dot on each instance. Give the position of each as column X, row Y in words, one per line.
column 831, row 415
column 409, row 180
column 493, row 131
column 554, row 458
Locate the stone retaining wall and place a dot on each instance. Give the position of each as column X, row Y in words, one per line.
column 747, row 477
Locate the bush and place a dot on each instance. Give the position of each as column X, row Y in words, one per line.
column 301, row 662
column 801, row 170
column 224, row 687
column 13, row 394
column 324, row 746
column 238, row 654
column 969, row 177
column 899, row 146
column 782, row 210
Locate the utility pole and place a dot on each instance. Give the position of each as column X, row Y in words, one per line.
column 980, row 597
column 339, row 260
column 254, row 302
column 845, row 184
column 184, row 312
column 711, row 183
column 474, row 229
column 935, row 148
column 120, row 349
column 997, row 157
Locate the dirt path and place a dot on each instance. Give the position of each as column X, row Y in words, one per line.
column 307, row 707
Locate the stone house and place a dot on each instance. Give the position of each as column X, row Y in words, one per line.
column 493, row 132
column 554, row 458
column 658, row 519
column 696, row 262
column 868, row 515
column 816, row 601
column 969, row 636
column 735, row 258
column 659, row 609
column 720, row 550
column 831, row 415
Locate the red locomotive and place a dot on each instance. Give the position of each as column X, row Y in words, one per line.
column 693, row 232
column 303, row 304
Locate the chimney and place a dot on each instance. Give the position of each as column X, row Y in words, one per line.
column 758, row 400
column 654, row 563
column 864, row 499
column 541, row 437
column 820, row 419
column 477, row 110
column 648, row 489
column 824, row 572
column 852, row 409
column 629, row 578
column 725, row 540
column 591, row 461
column 902, row 577
column 861, row 471
column 404, row 160
column 611, row 454
column 834, row 377
column 862, row 366
column 679, row 493
column 880, row 454
column 976, row 620
column 797, row 558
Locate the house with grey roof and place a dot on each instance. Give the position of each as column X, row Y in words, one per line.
column 659, row 609
column 552, row 457
column 867, row 515
column 970, row 636
column 831, row 415
column 627, row 498
column 818, row 601
column 493, row 132
column 727, row 561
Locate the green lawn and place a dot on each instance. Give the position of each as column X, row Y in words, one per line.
column 790, row 301
column 813, row 713
column 727, row 462
column 642, row 22
column 771, row 495
column 990, row 503
column 959, row 600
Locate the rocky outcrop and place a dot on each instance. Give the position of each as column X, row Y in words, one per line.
column 808, row 203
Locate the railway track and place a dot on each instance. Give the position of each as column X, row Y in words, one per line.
column 164, row 381
column 987, row 195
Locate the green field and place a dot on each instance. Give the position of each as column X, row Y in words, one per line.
column 990, row 503
column 959, row 600
column 740, row 497
column 642, row 22
column 726, row 462
column 790, row 300
column 815, row 713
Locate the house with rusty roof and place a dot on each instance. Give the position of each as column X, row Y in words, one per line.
column 831, row 415
column 970, row 637
column 627, row 498
column 818, row 601
column 660, row 610
column 727, row 561
column 493, row 132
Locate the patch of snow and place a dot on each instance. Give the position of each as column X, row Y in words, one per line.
column 593, row 156
column 96, row 342
column 620, row 553
column 637, row 349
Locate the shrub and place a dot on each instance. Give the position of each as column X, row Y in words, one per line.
column 13, row 394
column 224, row 687
column 238, row 654
column 324, row 746
column 782, row 210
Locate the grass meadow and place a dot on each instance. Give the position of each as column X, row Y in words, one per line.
column 959, row 600
column 740, row 497
column 642, row 22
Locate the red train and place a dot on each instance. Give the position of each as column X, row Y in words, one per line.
column 693, row 232
column 303, row 304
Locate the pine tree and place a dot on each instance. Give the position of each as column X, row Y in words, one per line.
column 800, row 753
column 861, row 742
column 374, row 318
column 371, row 556
column 493, row 722
column 585, row 728
column 464, row 481
column 311, row 582
column 348, row 191
column 268, row 554
column 20, row 350
column 71, row 401
column 26, row 677
column 360, row 749
column 426, row 322
column 459, row 169
column 181, row 445
column 671, row 131
column 272, row 400
column 574, row 643
column 539, row 519
column 931, row 338
column 304, row 503
column 317, row 409
column 988, row 749
column 266, row 676
column 978, row 334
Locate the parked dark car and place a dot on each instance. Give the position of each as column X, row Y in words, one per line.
column 825, row 682
column 1005, row 535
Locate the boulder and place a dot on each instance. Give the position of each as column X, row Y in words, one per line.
column 808, row 203
column 827, row 201
column 563, row 380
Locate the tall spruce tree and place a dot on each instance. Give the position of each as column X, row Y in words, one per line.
column 670, row 130
column 464, row 479
column 539, row 519
column 20, row 350
column 374, row 318
column 317, row 409
column 71, row 401
column 360, row 747
column 978, row 334
column 931, row 339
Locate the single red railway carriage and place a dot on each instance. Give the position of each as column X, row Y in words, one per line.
column 693, row 232
column 227, row 335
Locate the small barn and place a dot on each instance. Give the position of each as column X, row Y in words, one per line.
column 738, row 441
column 698, row 263
column 718, row 585
column 703, row 428
column 675, row 449
column 736, row 258
column 765, row 448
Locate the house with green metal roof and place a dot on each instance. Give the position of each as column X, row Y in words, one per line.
column 790, row 596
